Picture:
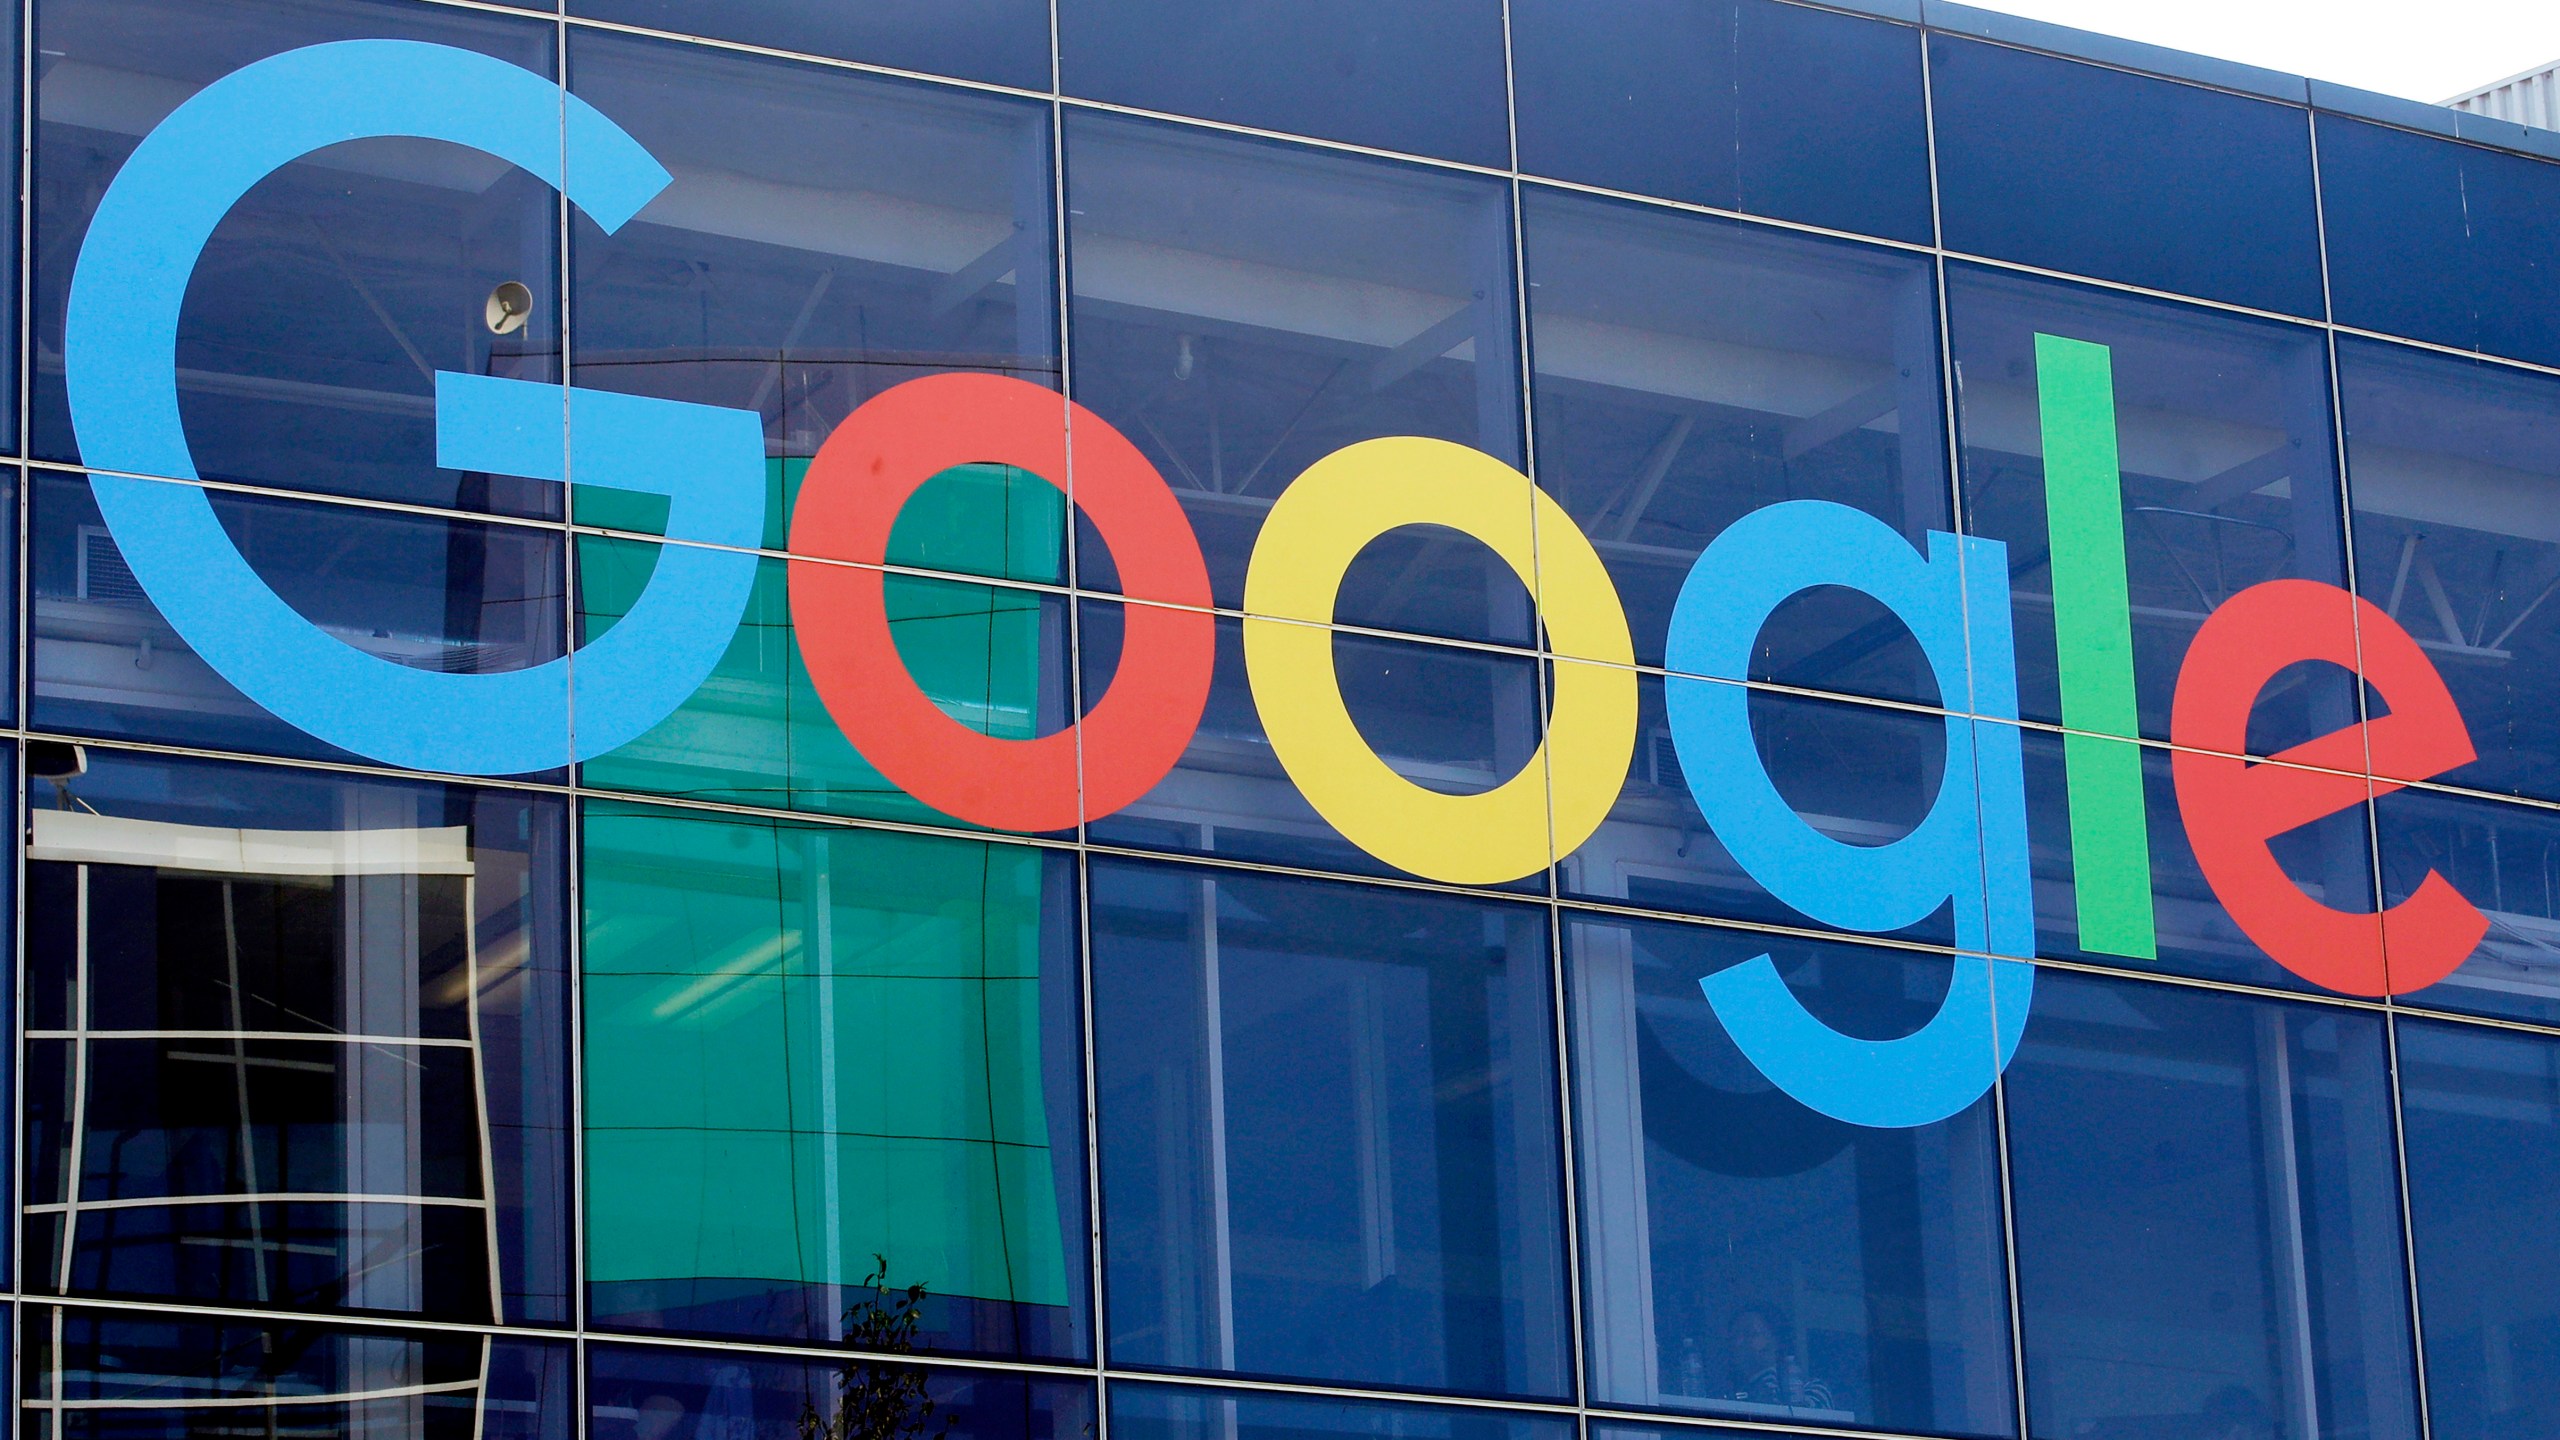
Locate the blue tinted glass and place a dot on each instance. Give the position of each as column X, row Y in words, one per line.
column 2124, row 177
column 2440, row 241
column 328, row 298
column 863, row 1044
column 9, row 241
column 11, row 597
column 1004, row 41
column 1423, row 76
column 1748, row 105
column 2454, row 472
column 2330, row 859
column 130, row 1375
column 1448, row 718
column 1858, row 774
column 2481, row 1110
column 2505, row 860
column 251, row 990
column 828, row 235
column 658, row 1393
column 449, row 595
column 1743, row 1255
column 1688, row 371
column 1189, row 1412
column 2225, row 463
column 2207, row 1217
column 1621, row 1430
column 1242, row 309
column 1329, row 1135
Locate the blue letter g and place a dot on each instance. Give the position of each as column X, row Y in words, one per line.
column 120, row 351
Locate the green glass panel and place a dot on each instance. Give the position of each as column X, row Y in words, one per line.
column 787, row 1023
column 756, row 733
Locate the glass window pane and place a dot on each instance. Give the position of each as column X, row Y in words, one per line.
column 2124, row 177
column 11, row 596
column 328, row 298
column 1689, row 371
column 1242, row 309
column 1329, row 1138
column 657, row 1393
column 1197, row 1412
column 253, row 990
column 860, row 1048
column 2504, row 859
column 2454, row 471
column 2207, row 1216
column 2224, row 465
column 1752, row 105
column 9, row 239
column 1621, row 1430
column 2482, row 1114
column 2438, row 240
column 995, row 658
column 107, row 1375
column 1450, row 718
column 827, row 235
column 1421, row 76
column 1746, row 1256
column 2330, row 859
column 1002, row 41
column 448, row 595
column 1858, row 774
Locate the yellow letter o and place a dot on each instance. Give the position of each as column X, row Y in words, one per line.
column 1319, row 525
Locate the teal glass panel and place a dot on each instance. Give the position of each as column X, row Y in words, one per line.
column 816, row 1052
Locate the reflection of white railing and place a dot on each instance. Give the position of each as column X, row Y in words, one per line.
column 85, row 840
column 50, row 1402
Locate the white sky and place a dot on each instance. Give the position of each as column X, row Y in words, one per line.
column 2428, row 51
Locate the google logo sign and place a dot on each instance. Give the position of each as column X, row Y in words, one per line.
column 1968, row 855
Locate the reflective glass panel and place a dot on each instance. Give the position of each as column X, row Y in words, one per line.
column 1195, row 1412
column 2329, row 859
column 123, row 1375
column 330, row 296
column 456, row 596
column 1329, row 1138
column 2454, row 471
column 1448, row 718
column 2438, row 240
column 1688, row 371
column 1743, row 1255
column 2208, row 1217
column 857, row 1048
column 1858, row 774
column 2120, row 176
column 827, row 235
column 1424, row 76
column 1621, row 1430
column 1004, row 41
column 11, row 595
column 657, row 1394
column 2505, row 860
column 2481, row 1110
column 9, row 244
column 994, row 658
column 1242, row 309
column 296, row 1040
column 2223, row 466
column 1752, row 105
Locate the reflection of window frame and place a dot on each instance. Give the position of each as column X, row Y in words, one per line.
column 51, row 1401
column 84, row 839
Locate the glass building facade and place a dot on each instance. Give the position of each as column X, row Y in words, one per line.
column 781, row 1060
